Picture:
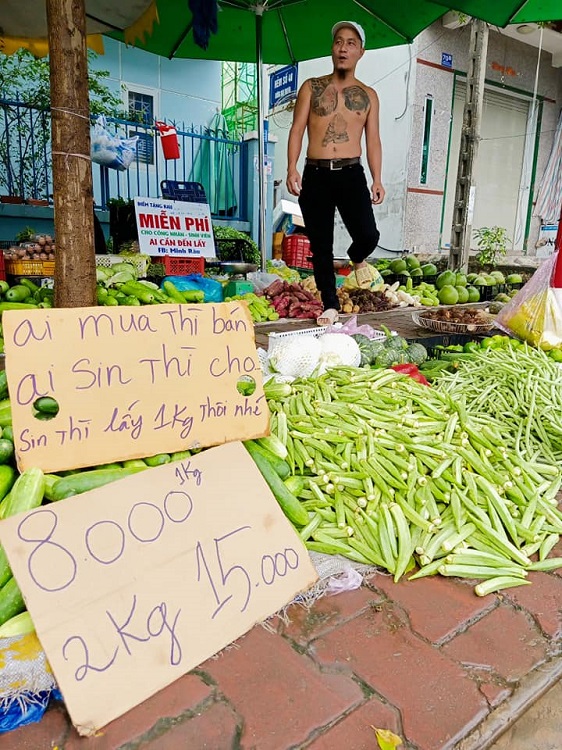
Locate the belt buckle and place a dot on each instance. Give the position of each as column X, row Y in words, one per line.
column 332, row 168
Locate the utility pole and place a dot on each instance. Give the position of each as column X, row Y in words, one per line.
column 470, row 139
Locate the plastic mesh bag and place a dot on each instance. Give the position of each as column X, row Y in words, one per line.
column 377, row 281
column 112, row 150
column 535, row 313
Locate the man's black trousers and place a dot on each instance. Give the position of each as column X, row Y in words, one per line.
column 324, row 190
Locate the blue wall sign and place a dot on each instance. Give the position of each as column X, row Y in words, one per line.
column 282, row 84
column 446, row 59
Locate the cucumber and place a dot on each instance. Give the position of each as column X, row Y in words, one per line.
column 7, row 478
column 27, row 492
column 50, row 481
column 280, row 467
column 4, row 286
column 3, row 384
column 76, row 484
column 31, row 285
column 158, row 460
column 21, row 624
column 5, row 412
column 46, row 405
column 6, row 450
column 173, row 292
column 295, row 485
column 134, row 462
column 11, row 601
column 17, row 293
column 5, row 570
column 289, row 504
column 180, row 455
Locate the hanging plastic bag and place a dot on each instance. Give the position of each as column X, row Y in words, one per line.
column 112, row 150
column 261, row 280
column 535, row 313
column 212, row 289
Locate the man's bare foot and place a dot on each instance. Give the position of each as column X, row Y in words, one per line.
column 328, row 317
column 363, row 275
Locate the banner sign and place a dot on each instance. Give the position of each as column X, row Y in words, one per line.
column 169, row 227
column 132, row 585
column 131, row 382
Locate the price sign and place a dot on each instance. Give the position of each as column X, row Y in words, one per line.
column 130, row 382
column 132, row 585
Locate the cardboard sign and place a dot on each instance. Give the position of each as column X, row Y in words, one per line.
column 132, row 585
column 169, row 227
column 131, row 381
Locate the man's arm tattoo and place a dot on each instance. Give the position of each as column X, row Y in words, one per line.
column 356, row 99
column 324, row 97
column 336, row 132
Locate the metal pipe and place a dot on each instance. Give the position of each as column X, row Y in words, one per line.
column 262, row 192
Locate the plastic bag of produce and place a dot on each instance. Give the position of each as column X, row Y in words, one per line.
column 377, row 281
column 535, row 313
column 111, row 150
column 212, row 289
column 261, row 280
column 26, row 681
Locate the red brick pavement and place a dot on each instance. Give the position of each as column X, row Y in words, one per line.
column 427, row 659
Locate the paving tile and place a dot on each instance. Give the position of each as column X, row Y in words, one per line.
column 216, row 728
column 355, row 732
column 437, row 607
column 494, row 694
column 327, row 613
column 182, row 695
column 543, row 599
column 43, row 735
column 438, row 701
column 281, row 694
column 504, row 641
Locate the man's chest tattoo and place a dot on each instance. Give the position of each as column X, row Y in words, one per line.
column 324, row 97
column 336, row 131
column 356, row 99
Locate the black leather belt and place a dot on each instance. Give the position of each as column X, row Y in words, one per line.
column 333, row 163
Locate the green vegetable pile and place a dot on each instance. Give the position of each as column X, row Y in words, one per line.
column 518, row 389
column 394, row 474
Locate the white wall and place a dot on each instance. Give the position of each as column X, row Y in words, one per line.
column 388, row 71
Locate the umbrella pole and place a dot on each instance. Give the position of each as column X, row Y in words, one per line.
column 75, row 269
column 262, row 191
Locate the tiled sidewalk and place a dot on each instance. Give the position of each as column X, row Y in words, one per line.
column 427, row 659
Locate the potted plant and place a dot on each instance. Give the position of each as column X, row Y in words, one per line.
column 492, row 245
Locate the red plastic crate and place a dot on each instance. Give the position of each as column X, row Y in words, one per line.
column 178, row 265
column 2, row 267
column 296, row 251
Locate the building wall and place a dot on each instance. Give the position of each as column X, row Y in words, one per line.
column 189, row 90
column 510, row 64
column 389, row 73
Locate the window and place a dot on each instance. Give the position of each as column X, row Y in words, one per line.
column 426, row 139
column 141, row 108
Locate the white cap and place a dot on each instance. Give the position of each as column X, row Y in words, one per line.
column 351, row 24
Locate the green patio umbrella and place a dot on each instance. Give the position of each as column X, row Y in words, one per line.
column 211, row 167
column 282, row 31
column 504, row 12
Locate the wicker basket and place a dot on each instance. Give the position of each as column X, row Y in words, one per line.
column 140, row 262
column 446, row 326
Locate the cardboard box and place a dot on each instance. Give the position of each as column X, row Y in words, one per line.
column 287, row 217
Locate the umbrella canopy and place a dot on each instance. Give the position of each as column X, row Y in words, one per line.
column 504, row 12
column 291, row 31
column 211, row 167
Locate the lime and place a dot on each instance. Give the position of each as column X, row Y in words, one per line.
column 473, row 294
column 448, row 295
column 447, row 278
column 463, row 294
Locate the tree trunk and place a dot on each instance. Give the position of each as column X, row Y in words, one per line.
column 75, row 266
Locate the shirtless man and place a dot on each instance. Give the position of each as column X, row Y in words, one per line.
column 335, row 110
